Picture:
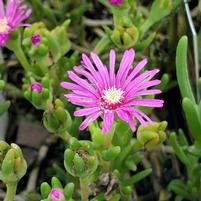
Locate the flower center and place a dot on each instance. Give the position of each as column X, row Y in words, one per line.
column 112, row 96
column 4, row 28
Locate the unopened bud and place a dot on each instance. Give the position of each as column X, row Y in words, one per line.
column 36, row 39
column 116, row 2
column 56, row 194
column 36, row 86
column 152, row 135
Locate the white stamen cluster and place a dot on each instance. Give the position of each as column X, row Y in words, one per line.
column 4, row 26
column 113, row 95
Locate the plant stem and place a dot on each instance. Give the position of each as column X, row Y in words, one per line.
column 14, row 44
column 11, row 191
column 22, row 58
column 84, row 186
column 65, row 136
column 1, row 57
column 102, row 44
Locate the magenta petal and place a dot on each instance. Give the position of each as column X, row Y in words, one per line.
column 80, row 100
column 75, row 87
column 11, row 8
column 141, row 79
column 3, row 39
column 140, row 116
column 135, row 71
column 101, row 68
column 89, row 120
column 69, row 85
column 125, row 64
column 108, row 122
column 116, row 2
column 2, row 14
column 146, row 102
column 87, row 75
column 24, row 25
column 140, row 119
column 86, row 111
column 131, row 123
column 79, row 97
column 148, row 92
column 84, row 94
column 148, row 84
column 81, row 82
column 86, row 63
column 145, row 116
column 144, row 85
column 89, row 66
column 112, row 67
column 141, row 86
column 127, row 118
column 122, row 115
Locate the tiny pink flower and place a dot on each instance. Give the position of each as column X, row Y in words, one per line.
column 56, row 194
column 35, row 39
column 36, row 86
column 11, row 17
column 116, row 2
column 107, row 93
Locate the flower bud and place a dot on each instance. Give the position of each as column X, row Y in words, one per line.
column 56, row 194
column 152, row 135
column 125, row 36
column 57, row 119
column 81, row 161
column 3, row 146
column 36, row 86
column 45, row 47
column 38, row 93
column 36, row 39
column 12, row 164
column 116, row 2
column 55, row 191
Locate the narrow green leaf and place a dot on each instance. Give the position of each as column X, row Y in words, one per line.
column 178, row 150
column 179, row 188
column 181, row 69
column 45, row 189
column 139, row 176
column 192, row 117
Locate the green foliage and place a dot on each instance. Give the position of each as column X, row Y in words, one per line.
column 188, row 155
column 159, row 10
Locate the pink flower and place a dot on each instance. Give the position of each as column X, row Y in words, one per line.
column 11, row 17
column 36, row 86
column 36, row 39
column 108, row 93
column 56, row 194
column 116, row 2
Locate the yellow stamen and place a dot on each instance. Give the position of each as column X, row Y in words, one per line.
column 113, row 95
column 4, row 28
